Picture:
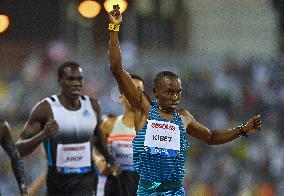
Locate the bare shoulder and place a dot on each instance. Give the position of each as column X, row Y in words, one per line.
column 38, row 117
column 42, row 109
column 186, row 116
column 107, row 124
column 40, row 113
column 184, row 112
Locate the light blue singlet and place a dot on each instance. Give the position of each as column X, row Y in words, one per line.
column 156, row 170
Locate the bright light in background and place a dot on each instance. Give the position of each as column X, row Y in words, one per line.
column 4, row 23
column 89, row 8
column 108, row 4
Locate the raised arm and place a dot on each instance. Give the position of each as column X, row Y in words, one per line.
column 216, row 137
column 16, row 162
column 40, row 126
column 122, row 77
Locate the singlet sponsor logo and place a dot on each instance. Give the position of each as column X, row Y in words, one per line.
column 86, row 113
column 163, row 126
column 74, row 148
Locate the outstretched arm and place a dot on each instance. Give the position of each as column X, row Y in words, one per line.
column 16, row 162
column 216, row 137
column 125, row 83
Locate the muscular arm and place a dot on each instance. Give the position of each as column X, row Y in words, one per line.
column 121, row 75
column 135, row 97
column 199, row 131
column 101, row 145
column 33, row 133
column 216, row 137
column 16, row 162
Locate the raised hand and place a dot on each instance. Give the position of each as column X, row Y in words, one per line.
column 253, row 125
column 115, row 16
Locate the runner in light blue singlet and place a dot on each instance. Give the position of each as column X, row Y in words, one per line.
column 160, row 144
column 158, row 168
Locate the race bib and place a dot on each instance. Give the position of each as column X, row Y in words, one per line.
column 123, row 154
column 73, row 158
column 162, row 138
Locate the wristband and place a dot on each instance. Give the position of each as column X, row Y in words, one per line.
column 113, row 27
column 240, row 131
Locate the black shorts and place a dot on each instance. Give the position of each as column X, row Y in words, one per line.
column 70, row 184
column 124, row 185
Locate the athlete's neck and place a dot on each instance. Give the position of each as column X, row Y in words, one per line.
column 164, row 110
column 168, row 115
column 69, row 103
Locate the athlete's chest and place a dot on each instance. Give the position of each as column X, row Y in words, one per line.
column 83, row 121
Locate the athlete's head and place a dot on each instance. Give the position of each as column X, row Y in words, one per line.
column 167, row 90
column 139, row 83
column 70, row 79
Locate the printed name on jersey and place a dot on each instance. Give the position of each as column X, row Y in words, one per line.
column 75, row 158
column 162, row 138
column 124, row 156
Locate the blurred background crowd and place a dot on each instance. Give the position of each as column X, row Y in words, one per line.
column 228, row 54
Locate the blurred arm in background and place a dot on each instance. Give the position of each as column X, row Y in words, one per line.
column 16, row 162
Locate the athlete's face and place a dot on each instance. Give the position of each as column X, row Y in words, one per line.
column 72, row 81
column 168, row 93
column 139, row 84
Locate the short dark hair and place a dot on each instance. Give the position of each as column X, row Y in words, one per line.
column 136, row 77
column 163, row 74
column 61, row 68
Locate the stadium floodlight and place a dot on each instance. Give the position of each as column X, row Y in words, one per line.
column 4, row 23
column 89, row 8
column 108, row 5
